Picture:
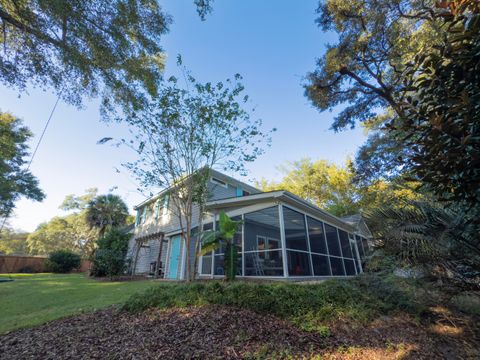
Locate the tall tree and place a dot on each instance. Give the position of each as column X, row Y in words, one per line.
column 107, row 48
column 15, row 178
column 83, row 48
column 106, row 212
column 13, row 242
column 441, row 125
column 332, row 187
column 186, row 132
column 364, row 68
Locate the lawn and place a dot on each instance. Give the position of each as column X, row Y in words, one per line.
column 33, row 299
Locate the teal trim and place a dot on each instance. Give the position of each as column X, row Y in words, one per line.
column 137, row 219
column 239, row 191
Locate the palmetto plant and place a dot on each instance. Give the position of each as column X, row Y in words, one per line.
column 425, row 233
column 214, row 239
column 106, row 211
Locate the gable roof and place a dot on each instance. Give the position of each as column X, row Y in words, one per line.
column 213, row 173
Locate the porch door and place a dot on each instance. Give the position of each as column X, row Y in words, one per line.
column 174, row 260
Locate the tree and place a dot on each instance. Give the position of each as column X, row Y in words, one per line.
column 13, row 242
column 332, row 187
column 86, row 49
column 15, row 178
column 183, row 134
column 111, row 249
column 106, row 212
column 224, row 236
column 72, row 232
column 442, row 117
column 364, row 68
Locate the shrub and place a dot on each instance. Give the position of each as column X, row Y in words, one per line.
column 308, row 306
column 109, row 258
column 63, row 261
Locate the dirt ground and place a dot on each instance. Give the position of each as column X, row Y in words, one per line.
column 216, row 332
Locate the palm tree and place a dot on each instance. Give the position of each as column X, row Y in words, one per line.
column 425, row 233
column 225, row 235
column 106, row 211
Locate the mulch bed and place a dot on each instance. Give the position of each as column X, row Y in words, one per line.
column 216, row 332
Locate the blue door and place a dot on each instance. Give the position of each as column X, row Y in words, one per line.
column 174, row 260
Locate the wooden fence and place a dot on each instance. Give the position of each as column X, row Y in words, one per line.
column 17, row 263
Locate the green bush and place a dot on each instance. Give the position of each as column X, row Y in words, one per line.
column 109, row 258
column 309, row 306
column 62, row 261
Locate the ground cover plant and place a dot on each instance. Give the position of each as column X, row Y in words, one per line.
column 369, row 317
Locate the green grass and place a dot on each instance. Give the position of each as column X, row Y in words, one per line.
column 34, row 299
column 312, row 306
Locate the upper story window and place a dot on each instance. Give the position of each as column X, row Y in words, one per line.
column 218, row 182
column 161, row 207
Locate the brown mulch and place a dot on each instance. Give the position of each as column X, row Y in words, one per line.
column 216, row 332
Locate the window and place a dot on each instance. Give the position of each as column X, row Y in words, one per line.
column 161, row 207
column 256, row 265
column 206, row 265
column 263, row 223
column 266, row 243
column 349, row 267
column 337, row 266
column 295, row 233
column 316, row 236
column 298, row 263
column 206, row 268
column 332, row 240
column 358, row 240
column 345, row 243
column 263, row 256
column 218, row 182
column 245, row 193
column 321, row 266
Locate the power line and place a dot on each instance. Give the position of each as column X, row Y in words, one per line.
column 33, row 155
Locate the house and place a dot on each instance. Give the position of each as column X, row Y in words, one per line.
column 282, row 235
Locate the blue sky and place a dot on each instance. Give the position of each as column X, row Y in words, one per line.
column 272, row 44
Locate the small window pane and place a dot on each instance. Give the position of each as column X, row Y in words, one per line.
column 206, row 265
column 365, row 245
column 295, row 233
column 264, row 263
column 263, row 223
column 320, row 265
column 316, row 235
column 358, row 239
column 332, row 240
column 349, row 266
column 298, row 263
column 337, row 266
column 220, row 265
column 345, row 242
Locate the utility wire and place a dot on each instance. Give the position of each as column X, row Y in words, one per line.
column 33, row 155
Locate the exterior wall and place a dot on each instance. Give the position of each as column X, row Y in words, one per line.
column 169, row 224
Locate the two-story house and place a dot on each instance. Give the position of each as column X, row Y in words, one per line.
column 282, row 235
